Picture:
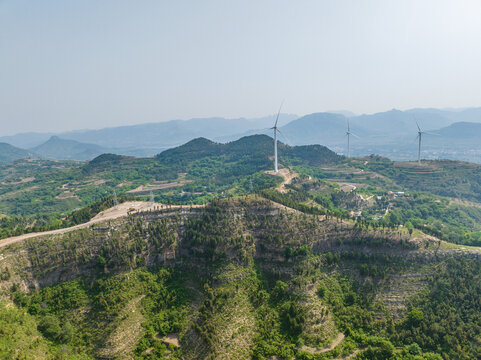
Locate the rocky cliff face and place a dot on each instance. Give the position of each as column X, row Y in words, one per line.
column 237, row 230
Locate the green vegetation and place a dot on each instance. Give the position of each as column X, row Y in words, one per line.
column 247, row 280
column 17, row 225
column 75, row 317
column 445, row 178
column 201, row 169
column 333, row 264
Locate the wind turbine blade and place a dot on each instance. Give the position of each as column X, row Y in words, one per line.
column 430, row 133
column 419, row 129
column 354, row 135
column 284, row 136
column 278, row 113
column 348, row 128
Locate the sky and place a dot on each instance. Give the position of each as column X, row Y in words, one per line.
column 67, row 65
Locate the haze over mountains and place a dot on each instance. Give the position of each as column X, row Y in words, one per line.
column 9, row 153
column 390, row 134
column 152, row 137
column 65, row 149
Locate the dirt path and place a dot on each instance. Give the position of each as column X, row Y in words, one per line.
column 287, row 175
column 152, row 187
column 109, row 214
column 336, row 342
column 172, row 339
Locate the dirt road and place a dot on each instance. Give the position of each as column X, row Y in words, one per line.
column 336, row 342
column 287, row 175
column 109, row 214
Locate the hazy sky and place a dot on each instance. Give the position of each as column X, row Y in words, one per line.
column 90, row 64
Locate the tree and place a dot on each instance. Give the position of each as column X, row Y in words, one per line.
column 409, row 226
column 280, row 289
column 49, row 326
column 67, row 333
column 415, row 316
column 413, row 349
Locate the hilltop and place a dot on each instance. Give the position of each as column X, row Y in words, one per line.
column 254, row 146
column 57, row 148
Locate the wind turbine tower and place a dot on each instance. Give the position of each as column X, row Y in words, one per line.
column 348, row 134
column 276, row 130
column 419, row 137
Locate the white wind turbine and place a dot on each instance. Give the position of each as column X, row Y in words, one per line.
column 348, row 134
column 419, row 137
column 276, row 130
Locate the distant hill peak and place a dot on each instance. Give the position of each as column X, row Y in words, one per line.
column 10, row 153
column 258, row 148
column 62, row 149
column 200, row 141
column 260, row 138
column 107, row 158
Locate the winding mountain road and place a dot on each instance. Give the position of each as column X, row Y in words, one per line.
column 109, row 214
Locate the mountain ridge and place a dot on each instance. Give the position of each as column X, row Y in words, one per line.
column 10, row 153
column 388, row 133
column 58, row 148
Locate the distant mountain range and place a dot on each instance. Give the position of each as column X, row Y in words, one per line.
column 391, row 133
column 153, row 137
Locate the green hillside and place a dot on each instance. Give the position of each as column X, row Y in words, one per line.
column 244, row 279
column 258, row 146
column 10, row 153
column 334, row 258
column 38, row 194
column 198, row 171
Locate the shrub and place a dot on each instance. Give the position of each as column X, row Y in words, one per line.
column 49, row 326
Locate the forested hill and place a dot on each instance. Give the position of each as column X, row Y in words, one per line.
column 242, row 278
column 258, row 146
column 195, row 172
